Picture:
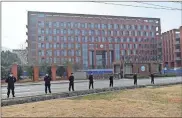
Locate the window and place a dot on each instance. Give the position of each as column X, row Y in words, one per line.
column 69, row 38
column 64, row 31
column 72, row 53
column 110, row 46
column 69, row 25
column 115, row 33
column 72, row 31
column 72, row 39
column 89, row 32
column 112, row 33
column 86, row 32
column 92, row 25
column 102, row 25
column 76, row 25
column 89, row 25
column 65, row 39
column 61, row 24
column 65, row 46
column 96, row 26
column 69, row 46
column 103, row 32
column 92, row 32
column 72, row 24
column 72, row 45
column 82, row 25
column 41, row 15
column 57, row 45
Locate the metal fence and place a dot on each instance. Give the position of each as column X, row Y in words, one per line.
column 177, row 72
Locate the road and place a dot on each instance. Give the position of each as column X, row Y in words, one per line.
column 31, row 90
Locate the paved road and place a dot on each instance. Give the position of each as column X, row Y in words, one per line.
column 31, row 90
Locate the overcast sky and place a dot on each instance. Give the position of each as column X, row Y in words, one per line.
column 14, row 16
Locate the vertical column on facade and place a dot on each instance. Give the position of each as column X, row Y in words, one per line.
column 14, row 70
column 36, row 73
column 69, row 71
column 53, row 72
column 108, row 59
column 95, row 61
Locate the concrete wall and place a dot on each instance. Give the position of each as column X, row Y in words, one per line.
column 80, row 75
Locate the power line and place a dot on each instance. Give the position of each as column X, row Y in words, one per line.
column 136, row 6
column 159, row 5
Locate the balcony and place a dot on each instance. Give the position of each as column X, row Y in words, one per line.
column 177, row 50
column 27, row 33
column 26, row 26
column 177, row 42
column 178, row 58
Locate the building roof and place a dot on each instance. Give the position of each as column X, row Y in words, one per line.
column 90, row 15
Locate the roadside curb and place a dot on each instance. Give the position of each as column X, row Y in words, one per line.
column 22, row 100
column 43, row 83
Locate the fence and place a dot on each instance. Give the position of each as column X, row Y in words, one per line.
column 177, row 72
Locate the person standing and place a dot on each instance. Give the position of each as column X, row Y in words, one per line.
column 135, row 79
column 91, row 80
column 71, row 84
column 47, row 80
column 152, row 78
column 11, row 80
column 111, row 81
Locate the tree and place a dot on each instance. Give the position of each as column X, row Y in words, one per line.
column 7, row 59
column 60, row 70
column 45, row 68
column 20, row 71
column 76, row 66
column 30, row 71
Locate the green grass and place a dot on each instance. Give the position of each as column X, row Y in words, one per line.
column 103, row 96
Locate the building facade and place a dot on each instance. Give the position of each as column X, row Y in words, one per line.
column 92, row 41
column 172, row 48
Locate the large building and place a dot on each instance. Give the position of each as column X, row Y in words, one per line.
column 92, row 41
column 172, row 48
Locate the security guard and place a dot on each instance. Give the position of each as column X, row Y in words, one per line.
column 91, row 80
column 47, row 80
column 111, row 81
column 152, row 78
column 135, row 79
column 71, row 84
column 11, row 80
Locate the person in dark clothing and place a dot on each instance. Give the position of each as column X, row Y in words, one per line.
column 135, row 79
column 11, row 80
column 71, row 84
column 111, row 81
column 47, row 80
column 91, row 81
column 152, row 78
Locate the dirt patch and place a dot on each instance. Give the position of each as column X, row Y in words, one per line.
column 144, row 102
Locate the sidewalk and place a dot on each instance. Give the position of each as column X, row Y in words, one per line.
column 42, row 82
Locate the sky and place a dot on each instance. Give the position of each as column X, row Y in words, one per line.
column 14, row 16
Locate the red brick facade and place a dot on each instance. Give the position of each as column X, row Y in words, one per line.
column 172, row 48
column 136, row 36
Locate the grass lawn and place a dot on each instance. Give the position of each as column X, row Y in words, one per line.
column 143, row 102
